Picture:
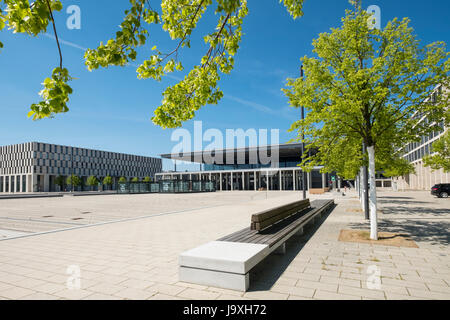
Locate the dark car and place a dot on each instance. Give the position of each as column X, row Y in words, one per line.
column 441, row 190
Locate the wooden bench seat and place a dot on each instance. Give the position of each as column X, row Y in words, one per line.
column 226, row 263
column 272, row 235
column 266, row 219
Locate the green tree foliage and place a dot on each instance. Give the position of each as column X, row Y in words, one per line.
column 108, row 181
column 441, row 157
column 179, row 18
column 123, row 180
column 22, row 17
column 135, row 179
column 59, row 181
column 147, row 179
column 74, row 180
column 92, row 181
column 365, row 85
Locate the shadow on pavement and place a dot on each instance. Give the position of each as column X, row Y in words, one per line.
column 434, row 232
column 388, row 197
column 404, row 202
column 266, row 273
column 403, row 210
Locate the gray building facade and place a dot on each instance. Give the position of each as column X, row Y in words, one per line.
column 34, row 166
column 249, row 175
column 424, row 177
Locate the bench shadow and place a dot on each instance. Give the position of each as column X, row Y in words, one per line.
column 433, row 232
column 264, row 275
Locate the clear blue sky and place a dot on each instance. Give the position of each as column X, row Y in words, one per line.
column 111, row 108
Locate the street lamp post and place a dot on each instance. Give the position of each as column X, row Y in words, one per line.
column 71, row 170
column 303, row 145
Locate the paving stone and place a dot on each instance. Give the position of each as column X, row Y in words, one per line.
column 396, row 296
column 230, row 297
column 343, row 281
column 101, row 296
column 134, row 294
column 15, row 293
column 49, row 288
column 39, row 296
column 196, row 294
column 440, row 289
column 428, row 294
column 106, row 288
column 326, row 295
column 73, row 294
column 297, row 291
column 404, row 283
column 160, row 296
column 365, row 293
column 136, row 284
column 168, row 289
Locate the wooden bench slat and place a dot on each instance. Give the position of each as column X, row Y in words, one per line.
column 269, row 217
column 274, row 234
column 267, row 214
column 268, row 222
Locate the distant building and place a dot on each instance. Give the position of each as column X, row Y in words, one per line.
column 244, row 169
column 424, row 177
column 34, row 166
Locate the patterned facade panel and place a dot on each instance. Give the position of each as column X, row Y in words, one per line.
column 42, row 158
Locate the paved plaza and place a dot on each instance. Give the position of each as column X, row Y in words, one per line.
column 127, row 247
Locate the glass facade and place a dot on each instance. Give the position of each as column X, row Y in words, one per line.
column 166, row 186
column 222, row 167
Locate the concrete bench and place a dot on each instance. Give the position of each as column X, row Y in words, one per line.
column 226, row 263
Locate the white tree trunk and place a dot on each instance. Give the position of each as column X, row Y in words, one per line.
column 363, row 192
column 372, row 194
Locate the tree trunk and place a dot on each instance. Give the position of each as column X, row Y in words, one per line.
column 372, row 194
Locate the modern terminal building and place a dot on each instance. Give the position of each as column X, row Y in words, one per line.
column 424, row 177
column 34, row 166
column 248, row 169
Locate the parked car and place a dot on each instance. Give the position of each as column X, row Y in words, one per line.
column 441, row 190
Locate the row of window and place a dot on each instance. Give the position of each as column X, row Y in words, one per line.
column 16, row 148
column 414, row 145
column 15, row 156
column 13, row 184
column 46, row 151
column 95, row 172
column 16, row 170
column 50, row 148
column 420, row 153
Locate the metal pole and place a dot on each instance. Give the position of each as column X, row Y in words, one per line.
column 303, row 145
column 71, row 170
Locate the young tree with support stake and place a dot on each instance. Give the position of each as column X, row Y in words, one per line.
column 368, row 85
column 59, row 181
column 73, row 181
column 108, row 181
column 92, row 181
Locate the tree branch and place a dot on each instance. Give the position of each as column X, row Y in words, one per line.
column 56, row 34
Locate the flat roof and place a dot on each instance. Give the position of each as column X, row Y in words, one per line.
column 288, row 150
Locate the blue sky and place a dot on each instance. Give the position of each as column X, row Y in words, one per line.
column 111, row 108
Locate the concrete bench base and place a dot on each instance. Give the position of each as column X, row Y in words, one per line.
column 221, row 264
column 217, row 279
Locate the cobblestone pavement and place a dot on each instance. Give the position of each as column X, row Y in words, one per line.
column 45, row 214
column 137, row 259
